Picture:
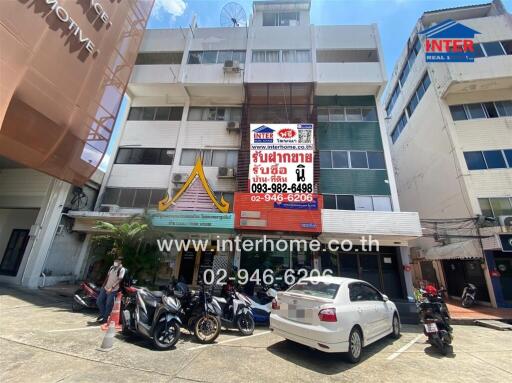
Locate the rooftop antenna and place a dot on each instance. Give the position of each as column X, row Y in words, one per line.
column 233, row 15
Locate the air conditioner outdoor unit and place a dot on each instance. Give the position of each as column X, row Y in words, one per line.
column 233, row 126
column 179, row 178
column 226, row 173
column 505, row 222
column 108, row 208
column 231, row 66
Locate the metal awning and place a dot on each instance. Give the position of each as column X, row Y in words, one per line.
column 461, row 250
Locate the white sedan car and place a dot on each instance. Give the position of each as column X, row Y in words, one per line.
column 334, row 314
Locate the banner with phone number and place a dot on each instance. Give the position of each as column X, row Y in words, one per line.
column 282, row 158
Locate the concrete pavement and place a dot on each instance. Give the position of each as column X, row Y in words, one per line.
column 42, row 340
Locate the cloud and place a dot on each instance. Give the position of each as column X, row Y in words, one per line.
column 174, row 8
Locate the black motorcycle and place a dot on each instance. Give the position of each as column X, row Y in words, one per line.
column 236, row 311
column 199, row 313
column 152, row 314
column 436, row 319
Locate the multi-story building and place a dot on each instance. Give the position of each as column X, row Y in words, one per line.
column 450, row 131
column 64, row 67
column 194, row 94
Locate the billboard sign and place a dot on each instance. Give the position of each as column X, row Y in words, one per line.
column 281, row 158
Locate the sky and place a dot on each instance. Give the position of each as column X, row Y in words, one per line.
column 395, row 19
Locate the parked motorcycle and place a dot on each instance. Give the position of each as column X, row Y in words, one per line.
column 436, row 319
column 469, row 295
column 200, row 313
column 151, row 314
column 85, row 296
column 261, row 304
column 236, row 311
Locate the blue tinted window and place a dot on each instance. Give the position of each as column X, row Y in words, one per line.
column 376, row 160
column 475, row 160
column 508, row 155
column 478, row 51
column 493, row 49
column 458, row 112
column 494, row 159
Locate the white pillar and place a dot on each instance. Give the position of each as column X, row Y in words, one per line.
column 47, row 222
column 406, row 260
column 82, row 257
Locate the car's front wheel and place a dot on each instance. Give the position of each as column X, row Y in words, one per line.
column 355, row 345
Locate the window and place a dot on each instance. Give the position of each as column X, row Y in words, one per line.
column 360, row 292
column 159, row 58
column 508, row 156
column 339, row 159
column 211, row 157
column 280, row 19
column 286, row 56
column 475, row 160
column 418, row 94
column 478, row 51
column 363, row 203
column 325, row 159
column 214, row 114
column 133, row 197
column 315, row 289
column 494, row 207
column 488, row 159
column 151, row 113
column 507, row 46
column 490, row 109
column 475, row 110
column 458, row 112
column 494, row 159
column 346, row 55
column 358, row 160
column 399, row 127
column 215, row 57
column 493, row 48
column 330, row 201
column 145, row 156
column 352, row 114
column 345, row 202
column 376, row 160
column 382, row 203
column 357, row 202
column 392, row 99
column 504, row 108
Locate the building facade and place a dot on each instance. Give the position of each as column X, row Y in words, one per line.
column 194, row 94
column 450, row 131
column 64, row 66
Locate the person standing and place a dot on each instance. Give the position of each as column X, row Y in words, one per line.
column 108, row 291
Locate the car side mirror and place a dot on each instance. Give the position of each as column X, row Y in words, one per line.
column 385, row 298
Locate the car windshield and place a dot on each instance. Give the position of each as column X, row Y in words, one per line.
column 315, row 289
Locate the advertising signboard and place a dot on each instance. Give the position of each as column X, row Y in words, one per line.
column 281, row 158
column 290, row 213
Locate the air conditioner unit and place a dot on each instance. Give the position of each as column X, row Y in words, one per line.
column 226, row 173
column 233, row 126
column 107, row 208
column 179, row 178
column 231, row 66
column 506, row 223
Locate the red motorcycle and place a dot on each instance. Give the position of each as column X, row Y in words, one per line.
column 85, row 296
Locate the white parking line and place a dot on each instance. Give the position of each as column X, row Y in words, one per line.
column 404, row 348
column 228, row 340
column 76, row 329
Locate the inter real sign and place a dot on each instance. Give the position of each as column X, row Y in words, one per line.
column 281, row 158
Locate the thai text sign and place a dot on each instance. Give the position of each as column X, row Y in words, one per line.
column 281, row 158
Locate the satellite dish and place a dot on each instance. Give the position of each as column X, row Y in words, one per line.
column 233, row 15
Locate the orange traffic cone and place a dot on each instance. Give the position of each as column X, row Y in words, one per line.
column 115, row 315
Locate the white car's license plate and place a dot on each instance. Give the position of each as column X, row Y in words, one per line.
column 430, row 327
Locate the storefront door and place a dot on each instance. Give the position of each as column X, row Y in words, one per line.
column 504, row 266
column 187, row 266
column 459, row 272
column 14, row 252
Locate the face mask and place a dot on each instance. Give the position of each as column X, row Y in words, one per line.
column 116, row 264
